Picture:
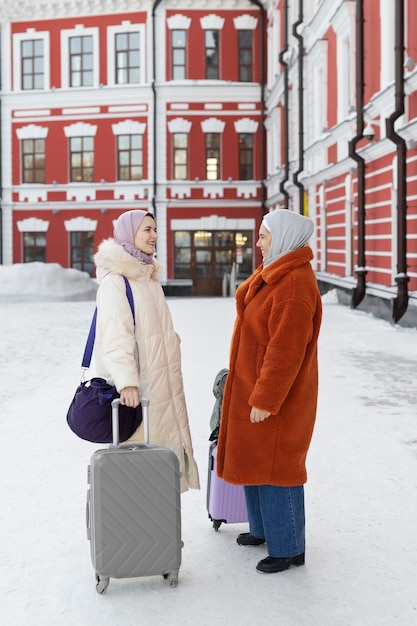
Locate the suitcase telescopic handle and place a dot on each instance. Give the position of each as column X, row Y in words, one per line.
column 115, row 420
column 145, row 418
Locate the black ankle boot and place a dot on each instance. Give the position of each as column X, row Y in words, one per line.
column 272, row 565
column 246, row 539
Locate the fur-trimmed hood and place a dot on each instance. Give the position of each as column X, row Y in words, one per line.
column 112, row 258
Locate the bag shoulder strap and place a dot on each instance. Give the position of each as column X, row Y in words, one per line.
column 88, row 351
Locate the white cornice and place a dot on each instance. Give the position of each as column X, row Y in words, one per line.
column 26, row 10
column 320, row 22
column 342, row 19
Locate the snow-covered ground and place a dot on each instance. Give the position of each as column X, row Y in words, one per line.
column 361, row 497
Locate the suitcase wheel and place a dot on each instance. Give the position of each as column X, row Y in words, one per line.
column 172, row 577
column 101, row 584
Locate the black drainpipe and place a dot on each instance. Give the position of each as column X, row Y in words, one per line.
column 300, row 106
column 400, row 303
column 284, row 64
column 262, row 122
column 358, row 292
column 154, row 130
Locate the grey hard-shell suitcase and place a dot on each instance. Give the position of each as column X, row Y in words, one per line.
column 134, row 509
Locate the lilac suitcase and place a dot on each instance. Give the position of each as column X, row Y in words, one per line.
column 134, row 509
column 225, row 502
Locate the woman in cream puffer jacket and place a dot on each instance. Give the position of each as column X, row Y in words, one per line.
column 146, row 356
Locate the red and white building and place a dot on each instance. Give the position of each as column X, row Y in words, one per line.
column 210, row 114
column 342, row 142
column 150, row 105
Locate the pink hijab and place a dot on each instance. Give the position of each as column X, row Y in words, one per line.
column 125, row 229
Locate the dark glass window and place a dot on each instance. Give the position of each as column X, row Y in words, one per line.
column 180, row 156
column 81, row 61
column 130, row 157
column 182, row 254
column 82, row 250
column 212, row 254
column 127, row 58
column 34, row 247
column 211, row 38
column 178, row 54
column 212, row 156
column 245, row 156
column 81, row 159
column 32, row 60
column 245, row 55
column 33, row 160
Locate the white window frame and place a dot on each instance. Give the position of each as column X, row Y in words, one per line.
column 29, row 35
column 78, row 31
column 112, row 31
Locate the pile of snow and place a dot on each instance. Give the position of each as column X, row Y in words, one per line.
column 44, row 282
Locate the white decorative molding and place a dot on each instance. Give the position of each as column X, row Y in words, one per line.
column 247, row 191
column 80, row 224
column 130, row 192
column 179, row 125
column 180, row 191
column 127, row 108
column 32, row 131
column 213, row 191
column 246, row 125
column 213, row 222
column 343, row 19
column 32, row 225
column 213, row 125
column 212, row 22
column 80, row 194
column 245, row 22
column 32, row 113
column 33, row 195
column 128, row 127
column 318, row 52
column 179, row 22
column 80, row 110
column 80, row 129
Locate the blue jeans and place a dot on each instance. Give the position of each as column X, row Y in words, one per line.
column 277, row 515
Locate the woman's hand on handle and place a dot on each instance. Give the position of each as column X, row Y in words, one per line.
column 129, row 396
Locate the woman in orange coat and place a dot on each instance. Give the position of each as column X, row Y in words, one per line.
column 270, row 398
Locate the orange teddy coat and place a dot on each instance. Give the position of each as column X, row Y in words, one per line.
column 273, row 366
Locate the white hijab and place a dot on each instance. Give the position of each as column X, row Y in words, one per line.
column 289, row 231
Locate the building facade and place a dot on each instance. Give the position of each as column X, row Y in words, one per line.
column 342, row 142
column 148, row 105
column 210, row 114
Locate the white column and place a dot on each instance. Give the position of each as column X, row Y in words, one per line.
column 387, row 8
column 6, row 126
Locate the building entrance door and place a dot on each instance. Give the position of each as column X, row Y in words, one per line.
column 208, row 256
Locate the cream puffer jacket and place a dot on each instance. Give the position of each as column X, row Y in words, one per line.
column 146, row 356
